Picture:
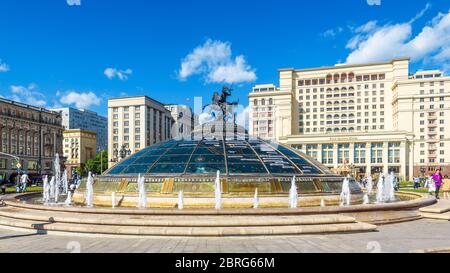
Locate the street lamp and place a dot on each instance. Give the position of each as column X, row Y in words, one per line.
column 123, row 153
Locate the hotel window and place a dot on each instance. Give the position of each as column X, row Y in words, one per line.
column 327, row 154
column 311, row 150
column 343, row 153
column 360, row 153
column 376, row 153
column 394, row 153
column 137, row 108
column 126, row 116
column 115, row 124
column 115, row 116
column 126, row 109
column 115, row 110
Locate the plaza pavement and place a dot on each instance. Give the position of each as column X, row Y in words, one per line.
column 404, row 237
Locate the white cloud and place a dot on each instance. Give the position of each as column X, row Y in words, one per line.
column 123, row 75
column 3, row 66
column 28, row 94
column 331, row 33
column 74, row 2
column 214, row 60
column 80, row 99
column 376, row 43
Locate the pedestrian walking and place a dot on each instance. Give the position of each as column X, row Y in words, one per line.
column 437, row 179
column 416, row 183
column 25, row 180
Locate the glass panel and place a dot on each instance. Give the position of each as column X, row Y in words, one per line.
column 235, row 168
column 174, row 159
column 117, row 169
column 274, row 161
column 180, row 151
column 208, row 159
column 146, row 159
column 205, row 168
column 136, row 169
column 168, row 168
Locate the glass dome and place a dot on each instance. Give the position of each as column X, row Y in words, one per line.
column 234, row 156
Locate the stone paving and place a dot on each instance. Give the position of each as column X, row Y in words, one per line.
column 404, row 237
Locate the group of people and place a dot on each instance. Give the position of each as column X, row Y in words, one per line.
column 435, row 183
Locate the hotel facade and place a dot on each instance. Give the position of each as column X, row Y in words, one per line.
column 135, row 123
column 374, row 117
column 79, row 147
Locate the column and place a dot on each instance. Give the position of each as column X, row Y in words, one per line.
column 319, row 153
column 385, row 157
column 158, row 126
column 351, row 154
column 369, row 158
column 335, row 156
column 152, row 126
column 163, row 126
column 403, row 155
column 1, row 138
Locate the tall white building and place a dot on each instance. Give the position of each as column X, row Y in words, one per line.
column 86, row 120
column 375, row 117
column 135, row 123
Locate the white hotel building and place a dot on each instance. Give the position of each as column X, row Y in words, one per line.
column 375, row 117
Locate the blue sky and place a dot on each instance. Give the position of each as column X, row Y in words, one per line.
column 80, row 53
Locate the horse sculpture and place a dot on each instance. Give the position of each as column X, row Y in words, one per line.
column 220, row 101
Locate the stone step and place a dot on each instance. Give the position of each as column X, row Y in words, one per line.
column 437, row 216
column 173, row 220
column 441, row 207
column 45, row 226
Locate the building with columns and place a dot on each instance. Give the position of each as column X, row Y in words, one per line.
column 135, row 123
column 32, row 134
column 374, row 117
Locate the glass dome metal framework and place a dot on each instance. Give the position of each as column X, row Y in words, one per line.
column 234, row 156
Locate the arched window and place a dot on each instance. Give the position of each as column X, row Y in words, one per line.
column 344, row 130
column 344, row 102
column 336, row 116
column 351, row 129
column 336, row 103
column 329, row 103
column 263, row 102
column 344, row 116
column 344, row 89
column 255, row 102
column 336, row 89
column 351, row 116
column 351, row 102
column 329, row 130
column 336, row 129
column 270, row 101
column 329, row 117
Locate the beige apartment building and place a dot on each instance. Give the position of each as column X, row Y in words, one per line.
column 135, row 123
column 31, row 134
column 79, row 147
column 373, row 117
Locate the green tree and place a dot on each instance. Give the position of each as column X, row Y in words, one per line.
column 99, row 164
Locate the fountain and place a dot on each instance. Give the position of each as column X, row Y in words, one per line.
column 57, row 175
column 113, row 199
column 90, row 191
column 180, row 200
column 52, row 188
column 346, row 193
column 369, row 186
column 256, row 199
column 386, row 191
column 366, row 200
column 218, row 192
column 293, row 195
column 65, row 182
column 68, row 201
column 46, row 190
column 142, row 193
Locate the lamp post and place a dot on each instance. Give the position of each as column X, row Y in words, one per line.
column 121, row 154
